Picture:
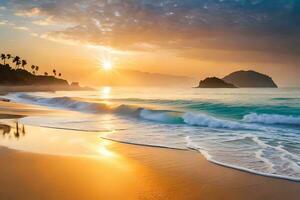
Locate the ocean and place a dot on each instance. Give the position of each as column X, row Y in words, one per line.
column 255, row 130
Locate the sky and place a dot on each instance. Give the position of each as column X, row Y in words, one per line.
column 197, row 38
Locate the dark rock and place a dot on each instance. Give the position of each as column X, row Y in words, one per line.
column 214, row 82
column 250, row 79
column 75, row 84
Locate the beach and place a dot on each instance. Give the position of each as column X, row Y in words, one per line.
column 135, row 172
column 43, row 160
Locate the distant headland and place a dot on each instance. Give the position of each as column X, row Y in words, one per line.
column 18, row 75
column 239, row 79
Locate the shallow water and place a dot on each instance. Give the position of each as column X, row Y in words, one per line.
column 257, row 130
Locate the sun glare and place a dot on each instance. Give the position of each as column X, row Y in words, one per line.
column 106, row 65
column 105, row 92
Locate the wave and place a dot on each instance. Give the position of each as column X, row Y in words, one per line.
column 271, row 119
column 285, row 98
column 67, row 103
column 162, row 116
column 211, row 122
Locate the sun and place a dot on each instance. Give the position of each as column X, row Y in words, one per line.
column 107, row 65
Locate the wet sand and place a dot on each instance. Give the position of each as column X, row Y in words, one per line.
column 132, row 172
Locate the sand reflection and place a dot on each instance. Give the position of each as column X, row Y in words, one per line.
column 105, row 150
column 56, row 141
column 16, row 131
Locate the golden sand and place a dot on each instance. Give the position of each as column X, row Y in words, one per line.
column 132, row 172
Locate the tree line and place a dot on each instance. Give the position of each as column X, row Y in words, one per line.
column 21, row 64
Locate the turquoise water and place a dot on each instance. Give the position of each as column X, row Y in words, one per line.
column 256, row 130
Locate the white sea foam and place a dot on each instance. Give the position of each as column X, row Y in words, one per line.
column 271, row 172
column 271, row 119
column 197, row 119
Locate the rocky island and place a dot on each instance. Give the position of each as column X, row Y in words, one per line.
column 239, row 79
column 214, row 82
column 250, row 79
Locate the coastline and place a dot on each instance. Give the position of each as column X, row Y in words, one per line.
column 134, row 172
column 119, row 170
column 209, row 159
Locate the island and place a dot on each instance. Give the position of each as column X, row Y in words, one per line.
column 250, row 79
column 17, row 79
column 239, row 79
column 214, row 82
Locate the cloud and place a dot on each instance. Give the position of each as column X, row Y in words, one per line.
column 34, row 34
column 44, row 22
column 28, row 13
column 3, row 22
column 22, row 28
column 194, row 25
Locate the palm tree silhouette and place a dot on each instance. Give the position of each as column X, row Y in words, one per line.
column 3, row 57
column 8, row 56
column 54, row 72
column 17, row 61
column 36, row 68
column 32, row 67
column 24, row 63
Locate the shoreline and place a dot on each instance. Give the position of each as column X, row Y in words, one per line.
column 17, row 114
column 204, row 154
column 148, row 173
column 69, row 164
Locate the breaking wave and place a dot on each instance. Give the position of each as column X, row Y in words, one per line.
column 271, row 119
column 161, row 116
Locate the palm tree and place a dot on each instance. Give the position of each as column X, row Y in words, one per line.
column 54, row 72
column 46, row 73
column 32, row 68
column 17, row 61
column 36, row 68
column 8, row 56
column 24, row 63
column 3, row 57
